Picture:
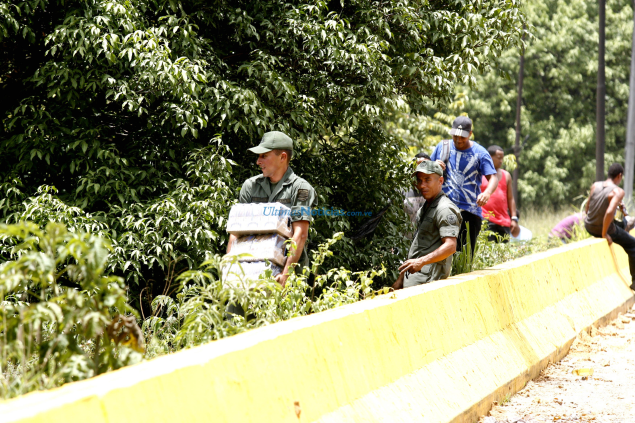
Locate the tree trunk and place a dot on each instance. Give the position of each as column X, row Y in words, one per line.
column 629, row 149
column 601, row 93
column 519, row 101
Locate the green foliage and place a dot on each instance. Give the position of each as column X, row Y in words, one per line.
column 59, row 315
column 153, row 240
column 111, row 101
column 203, row 312
column 509, row 162
column 488, row 253
column 423, row 131
column 559, row 97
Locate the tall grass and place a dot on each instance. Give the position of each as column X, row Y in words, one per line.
column 541, row 220
column 488, row 253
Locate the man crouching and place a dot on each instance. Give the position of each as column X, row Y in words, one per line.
column 437, row 226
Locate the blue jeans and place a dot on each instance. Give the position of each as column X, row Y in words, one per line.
column 627, row 242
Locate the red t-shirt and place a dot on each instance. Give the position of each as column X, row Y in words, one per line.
column 496, row 208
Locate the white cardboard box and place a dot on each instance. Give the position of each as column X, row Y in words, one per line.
column 260, row 247
column 260, row 218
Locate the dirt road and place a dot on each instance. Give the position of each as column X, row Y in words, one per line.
column 568, row 392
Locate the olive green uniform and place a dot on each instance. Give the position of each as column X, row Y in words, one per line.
column 439, row 218
column 292, row 191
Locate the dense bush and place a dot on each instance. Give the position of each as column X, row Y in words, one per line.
column 129, row 120
column 201, row 311
column 114, row 105
column 61, row 318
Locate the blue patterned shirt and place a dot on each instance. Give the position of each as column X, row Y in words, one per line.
column 464, row 173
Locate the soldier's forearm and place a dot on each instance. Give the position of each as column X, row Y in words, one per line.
column 300, row 234
column 444, row 251
column 296, row 254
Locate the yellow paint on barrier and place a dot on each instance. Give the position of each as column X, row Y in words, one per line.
column 436, row 353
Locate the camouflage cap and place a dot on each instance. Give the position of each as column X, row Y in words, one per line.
column 429, row 167
column 273, row 140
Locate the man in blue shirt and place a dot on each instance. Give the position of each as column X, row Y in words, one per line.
column 465, row 165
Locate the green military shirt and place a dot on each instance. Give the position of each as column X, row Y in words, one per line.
column 440, row 218
column 292, row 191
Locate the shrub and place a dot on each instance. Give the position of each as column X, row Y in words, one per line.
column 201, row 312
column 60, row 316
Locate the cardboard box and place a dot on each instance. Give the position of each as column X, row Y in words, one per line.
column 260, row 218
column 260, row 247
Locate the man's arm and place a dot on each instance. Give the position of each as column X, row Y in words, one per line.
column 300, row 234
column 511, row 202
column 435, row 156
column 588, row 201
column 447, row 248
column 483, row 197
column 616, row 197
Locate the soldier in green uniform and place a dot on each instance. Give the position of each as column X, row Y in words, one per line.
column 278, row 183
column 438, row 223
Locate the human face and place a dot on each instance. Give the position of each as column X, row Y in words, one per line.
column 270, row 163
column 498, row 159
column 461, row 143
column 429, row 185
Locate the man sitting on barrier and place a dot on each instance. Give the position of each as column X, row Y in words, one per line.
column 604, row 199
column 437, row 227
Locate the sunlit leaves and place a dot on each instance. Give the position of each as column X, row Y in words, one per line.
column 558, row 120
column 55, row 306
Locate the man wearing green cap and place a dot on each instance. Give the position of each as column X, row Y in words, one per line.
column 278, row 183
column 437, row 226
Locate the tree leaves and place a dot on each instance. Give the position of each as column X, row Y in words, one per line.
column 119, row 95
column 55, row 309
column 557, row 162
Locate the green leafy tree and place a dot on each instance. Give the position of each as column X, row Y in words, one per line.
column 557, row 162
column 60, row 315
column 111, row 101
column 423, row 131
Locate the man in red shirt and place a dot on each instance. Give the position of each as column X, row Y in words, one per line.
column 500, row 210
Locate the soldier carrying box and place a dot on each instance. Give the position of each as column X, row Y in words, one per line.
column 278, row 183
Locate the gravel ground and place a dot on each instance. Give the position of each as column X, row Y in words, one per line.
column 595, row 382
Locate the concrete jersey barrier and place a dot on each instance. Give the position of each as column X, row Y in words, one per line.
column 441, row 352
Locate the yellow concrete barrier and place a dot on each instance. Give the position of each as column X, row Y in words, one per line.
column 436, row 353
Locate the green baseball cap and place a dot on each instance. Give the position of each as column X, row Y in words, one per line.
column 429, row 167
column 273, row 140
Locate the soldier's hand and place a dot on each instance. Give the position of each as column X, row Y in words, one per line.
column 412, row 265
column 282, row 279
column 482, row 199
column 609, row 239
column 399, row 282
column 440, row 163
